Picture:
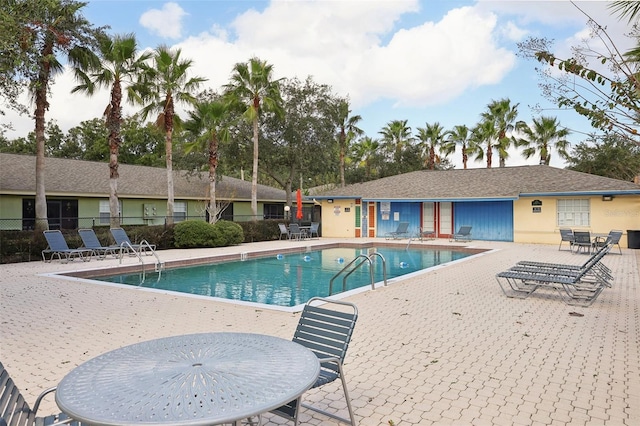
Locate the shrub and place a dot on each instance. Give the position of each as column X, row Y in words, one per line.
column 196, row 233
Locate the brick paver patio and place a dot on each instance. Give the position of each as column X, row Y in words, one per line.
column 445, row 347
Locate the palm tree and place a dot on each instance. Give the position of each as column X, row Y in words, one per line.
column 625, row 8
column 503, row 116
column 163, row 85
column 252, row 86
column 396, row 136
column 541, row 137
column 120, row 65
column 365, row 151
column 481, row 141
column 347, row 124
column 60, row 29
column 430, row 138
column 460, row 135
column 209, row 125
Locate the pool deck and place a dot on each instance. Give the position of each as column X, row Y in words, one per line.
column 444, row 347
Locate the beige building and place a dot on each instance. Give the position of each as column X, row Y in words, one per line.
column 525, row 204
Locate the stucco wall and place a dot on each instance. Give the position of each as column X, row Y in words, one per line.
column 342, row 224
column 623, row 213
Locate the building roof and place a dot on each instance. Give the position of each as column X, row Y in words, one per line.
column 473, row 184
column 64, row 177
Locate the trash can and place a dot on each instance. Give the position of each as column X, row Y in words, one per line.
column 633, row 238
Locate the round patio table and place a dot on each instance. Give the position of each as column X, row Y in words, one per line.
column 195, row 379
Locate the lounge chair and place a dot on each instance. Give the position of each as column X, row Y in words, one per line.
column 582, row 241
column 123, row 241
column 576, row 285
column 463, row 234
column 327, row 332
column 15, row 411
column 566, row 235
column 313, row 229
column 91, row 241
column 426, row 234
column 401, row 231
column 284, row 231
column 58, row 247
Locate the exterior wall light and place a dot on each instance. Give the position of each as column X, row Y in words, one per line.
column 607, row 197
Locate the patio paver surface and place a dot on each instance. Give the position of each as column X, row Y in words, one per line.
column 446, row 347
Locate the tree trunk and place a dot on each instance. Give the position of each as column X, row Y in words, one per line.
column 489, row 155
column 42, row 223
column 213, row 165
column 343, row 138
column 254, row 177
column 168, row 143
column 113, row 126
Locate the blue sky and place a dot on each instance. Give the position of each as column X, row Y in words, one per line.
column 423, row 61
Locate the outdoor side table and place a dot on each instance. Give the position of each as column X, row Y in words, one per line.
column 196, row 379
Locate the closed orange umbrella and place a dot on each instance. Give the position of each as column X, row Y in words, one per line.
column 299, row 202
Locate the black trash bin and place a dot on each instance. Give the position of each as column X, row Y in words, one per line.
column 633, row 238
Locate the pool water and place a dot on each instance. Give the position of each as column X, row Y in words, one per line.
column 289, row 279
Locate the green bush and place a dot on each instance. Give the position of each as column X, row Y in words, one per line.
column 196, row 233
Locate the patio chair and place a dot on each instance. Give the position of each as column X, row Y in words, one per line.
column 15, row 411
column 123, row 241
column 295, row 232
column 463, row 234
column 313, row 229
column 284, row 231
column 566, row 235
column 401, row 231
column 58, row 247
column 613, row 238
column 426, row 234
column 90, row 240
column 326, row 331
column 582, row 241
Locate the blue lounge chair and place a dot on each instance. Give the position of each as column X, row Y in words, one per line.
column 58, row 247
column 90, row 240
column 122, row 240
column 401, row 231
column 326, row 330
column 463, row 234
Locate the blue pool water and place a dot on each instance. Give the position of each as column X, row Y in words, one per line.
column 289, row 279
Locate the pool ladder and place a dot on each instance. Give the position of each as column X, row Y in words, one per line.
column 159, row 266
column 363, row 259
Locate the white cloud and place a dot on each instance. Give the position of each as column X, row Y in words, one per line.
column 165, row 22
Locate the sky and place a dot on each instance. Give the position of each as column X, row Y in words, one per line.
column 423, row 61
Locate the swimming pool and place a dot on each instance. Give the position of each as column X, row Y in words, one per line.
column 290, row 279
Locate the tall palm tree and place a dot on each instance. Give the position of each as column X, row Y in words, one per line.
column 431, row 138
column 481, row 141
column 346, row 124
column 60, row 29
column 625, row 8
column 252, row 86
column 543, row 135
column 459, row 135
column 503, row 115
column 396, row 136
column 365, row 151
column 163, row 85
column 120, row 65
column 208, row 123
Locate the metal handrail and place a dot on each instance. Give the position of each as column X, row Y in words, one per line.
column 365, row 258
column 143, row 243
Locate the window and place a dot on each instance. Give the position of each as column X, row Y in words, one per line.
column 105, row 211
column 179, row 211
column 573, row 212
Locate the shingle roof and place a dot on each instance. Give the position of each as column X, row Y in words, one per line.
column 91, row 179
column 504, row 182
